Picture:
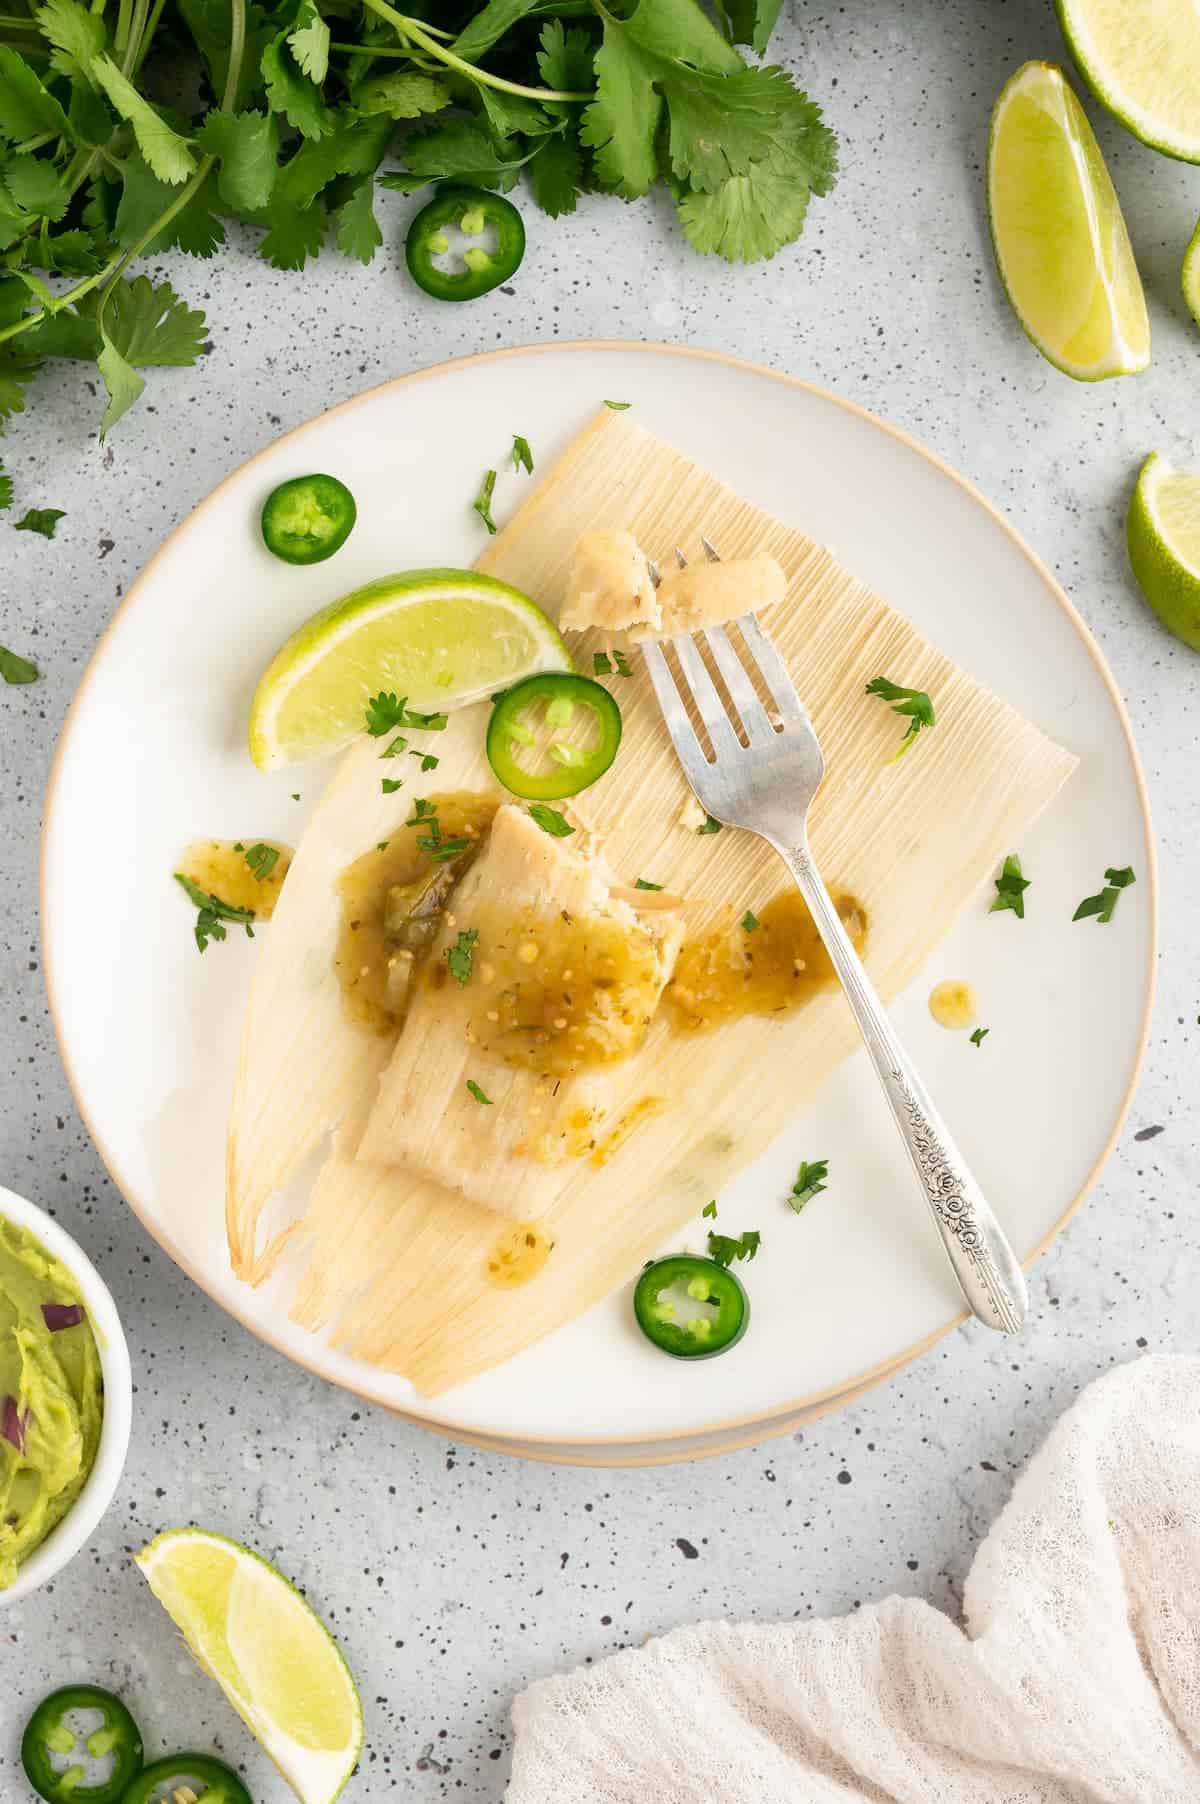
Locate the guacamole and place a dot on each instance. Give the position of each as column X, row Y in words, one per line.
column 51, row 1395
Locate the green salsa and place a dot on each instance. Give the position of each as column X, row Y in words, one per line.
column 51, row 1396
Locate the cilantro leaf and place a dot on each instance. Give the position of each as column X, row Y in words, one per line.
column 621, row 124
column 477, row 1093
column 423, row 810
column 619, row 406
column 522, row 456
column 622, row 662
column 460, row 957
column 482, row 503
column 389, row 785
column 385, row 711
column 144, row 199
column 725, row 1250
column 291, row 92
column 710, row 826
column 295, row 235
column 15, row 669
column 397, row 745
column 27, row 109
column 36, row 187
column 428, row 761
column 810, row 1181
column 6, row 489
column 246, row 146
column 262, row 860
column 77, row 35
column 213, row 913
column 400, row 96
column 308, row 42
column 143, row 326
column 601, row 664
column 489, row 26
column 551, row 821
column 40, row 519
column 1011, row 885
column 163, row 148
column 642, row 883
column 911, row 702
column 443, row 851
column 460, row 151
column 710, row 1209
column 980, row 1034
column 566, row 58
column 749, row 921
column 356, row 228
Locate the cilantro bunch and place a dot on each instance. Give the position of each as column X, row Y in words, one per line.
column 131, row 126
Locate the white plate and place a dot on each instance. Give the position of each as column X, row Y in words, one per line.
column 152, row 755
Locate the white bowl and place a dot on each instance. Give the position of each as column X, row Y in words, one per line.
column 77, row 1526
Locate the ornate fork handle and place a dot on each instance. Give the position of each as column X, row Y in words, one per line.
column 984, row 1263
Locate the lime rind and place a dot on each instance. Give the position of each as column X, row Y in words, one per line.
column 1162, row 50
column 1062, row 249
column 488, row 656
column 317, row 1776
column 1190, row 275
column 1163, row 537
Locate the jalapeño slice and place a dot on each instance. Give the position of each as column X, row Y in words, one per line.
column 218, row 1783
column 472, row 211
column 118, row 1739
column 707, row 1315
column 306, row 520
column 552, row 735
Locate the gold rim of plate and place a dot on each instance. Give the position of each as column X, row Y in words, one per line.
column 745, row 1429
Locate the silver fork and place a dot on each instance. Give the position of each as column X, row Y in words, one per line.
column 767, row 787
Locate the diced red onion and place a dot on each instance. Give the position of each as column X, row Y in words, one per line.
column 13, row 1424
column 58, row 1316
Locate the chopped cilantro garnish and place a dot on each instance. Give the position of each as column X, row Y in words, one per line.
column 394, row 748
column 749, row 921
column 15, row 669
column 390, row 785
column 601, row 664
column 710, row 1210
column 460, row 956
column 725, row 1250
column 522, row 456
column 551, row 821
column 622, row 662
column 483, row 501
column 1103, row 904
column 386, row 711
column 710, row 826
column 477, row 1093
column 644, row 883
column 912, row 702
column 980, row 1034
column 423, row 810
column 618, row 406
column 262, row 860
column 382, row 845
column 40, row 519
column 428, row 761
column 213, row 913
column 1011, row 885
column 442, row 851
column 810, row 1180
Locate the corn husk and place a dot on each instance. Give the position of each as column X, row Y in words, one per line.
column 392, row 1268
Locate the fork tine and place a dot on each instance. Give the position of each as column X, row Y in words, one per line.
column 710, row 550
column 675, row 714
column 704, row 691
column 745, row 699
column 772, row 669
column 680, row 559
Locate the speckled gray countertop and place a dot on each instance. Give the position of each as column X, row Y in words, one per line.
column 453, row 1577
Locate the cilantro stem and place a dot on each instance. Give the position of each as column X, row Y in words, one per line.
column 147, row 35
column 133, row 44
column 417, row 33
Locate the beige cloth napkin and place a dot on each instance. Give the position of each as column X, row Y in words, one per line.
column 1075, row 1678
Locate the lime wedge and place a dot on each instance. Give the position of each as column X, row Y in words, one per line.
column 273, row 1658
column 1163, row 533
column 1060, row 240
column 440, row 638
column 1143, row 62
column 1191, row 275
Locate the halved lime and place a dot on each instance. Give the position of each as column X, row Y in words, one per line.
column 440, row 638
column 1163, row 534
column 1061, row 246
column 1143, row 62
column 271, row 1655
column 1191, row 275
